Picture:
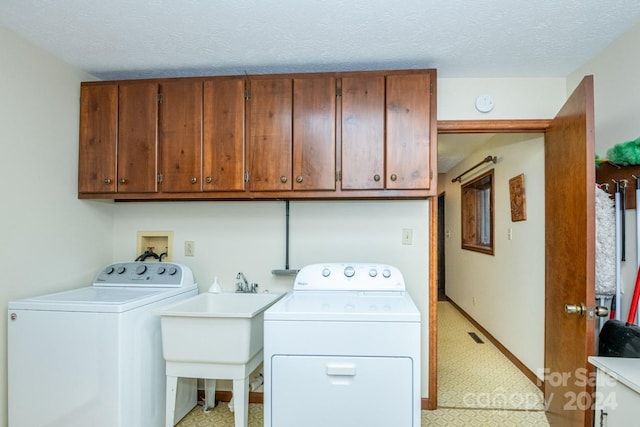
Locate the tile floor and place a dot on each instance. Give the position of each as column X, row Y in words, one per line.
column 477, row 386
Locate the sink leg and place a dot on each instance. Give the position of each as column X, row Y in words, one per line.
column 209, row 394
column 172, row 388
column 241, row 402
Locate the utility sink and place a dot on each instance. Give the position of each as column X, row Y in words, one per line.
column 214, row 336
column 215, row 327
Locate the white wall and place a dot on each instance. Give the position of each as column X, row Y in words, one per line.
column 617, row 120
column 503, row 292
column 50, row 240
column 250, row 237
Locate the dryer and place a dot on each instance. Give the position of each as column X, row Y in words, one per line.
column 343, row 349
column 93, row 356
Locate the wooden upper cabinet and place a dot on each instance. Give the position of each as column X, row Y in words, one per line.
column 386, row 127
column 223, row 135
column 98, row 139
column 260, row 137
column 408, row 159
column 269, row 146
column 363, row 132
column 137, row 137
column 181, row 135
column 314, row 133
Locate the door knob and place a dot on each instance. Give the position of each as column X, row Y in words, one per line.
column 581, row 310
column 578, row 309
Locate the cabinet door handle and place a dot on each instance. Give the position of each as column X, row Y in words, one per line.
column 283, row 179
column 299, row 179
column 376, row 177
column 122, row 181
column 208, row 180
column 193, row 179
column 394, row 177
column 107, row 181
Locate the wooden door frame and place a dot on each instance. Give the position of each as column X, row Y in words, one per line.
column 461, row 127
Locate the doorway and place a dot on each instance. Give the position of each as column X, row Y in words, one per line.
column 440, row 286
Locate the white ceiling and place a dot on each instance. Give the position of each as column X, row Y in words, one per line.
column 461, row 38
column 121, row 39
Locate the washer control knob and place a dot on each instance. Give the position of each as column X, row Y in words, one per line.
column 373, row 272
column 141, row 269
column 109, row 270
column 326, row 272
column 161, row 270
column 172, row 271
column 386, row 273
column 349, row 271
column 121, row 269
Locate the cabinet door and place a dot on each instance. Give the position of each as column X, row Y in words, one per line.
column 270, row 135
column 363, row 132
column 314, row 133
column 408, row 127
column 137, row 140
column 223, row 135
column 98, row 139
column 181, row 135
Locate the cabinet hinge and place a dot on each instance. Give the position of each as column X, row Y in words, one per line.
column 338, row 91
column 430, row 174
column 159, row 98
column 431, row 88
column 247, row 93
column 338, row 176
column 159, row 178
column 246, row 176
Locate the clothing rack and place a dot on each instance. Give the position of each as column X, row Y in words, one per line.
column 487, row 159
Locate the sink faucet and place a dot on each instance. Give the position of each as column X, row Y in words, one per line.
column 244, row 286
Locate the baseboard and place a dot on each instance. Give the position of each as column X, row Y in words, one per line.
column 257, row 397
column 225, row 396
column 512, row 358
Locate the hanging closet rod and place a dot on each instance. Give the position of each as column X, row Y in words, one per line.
column 487, row 159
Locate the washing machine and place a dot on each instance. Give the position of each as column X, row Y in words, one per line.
column 342, row 349
column 93, row 356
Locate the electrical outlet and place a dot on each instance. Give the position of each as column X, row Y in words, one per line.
column 407, row 236
column 510, row 233
column 189, row 248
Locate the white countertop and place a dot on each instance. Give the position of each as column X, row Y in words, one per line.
column 626, row 370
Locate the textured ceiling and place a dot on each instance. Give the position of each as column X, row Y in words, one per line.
column 122, row 39
column 461, row 38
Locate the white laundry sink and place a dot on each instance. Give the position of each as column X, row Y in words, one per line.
column 219, row 328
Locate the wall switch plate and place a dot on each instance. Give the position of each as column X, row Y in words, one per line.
column 189, row 248
column 407, row 236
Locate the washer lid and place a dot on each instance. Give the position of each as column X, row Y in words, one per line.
column 96, row 299
column 354, row 306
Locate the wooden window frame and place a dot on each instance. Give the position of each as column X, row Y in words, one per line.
column 474, row 218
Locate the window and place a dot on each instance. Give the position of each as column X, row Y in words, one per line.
column 477, row 214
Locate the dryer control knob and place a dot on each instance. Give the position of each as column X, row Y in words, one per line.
column 373, row 272
column 326, row 272
column 109, row 270
column 386, row 273
column 121, row 269
column 141, row 269
column 161, row 270
column 172, row 271
column 349, row 271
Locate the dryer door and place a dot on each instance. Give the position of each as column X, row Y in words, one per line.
column 320, row 391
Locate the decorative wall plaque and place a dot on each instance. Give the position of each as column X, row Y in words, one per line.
column 518, row 201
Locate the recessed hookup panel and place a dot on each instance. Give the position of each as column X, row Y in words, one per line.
column 159, row 243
